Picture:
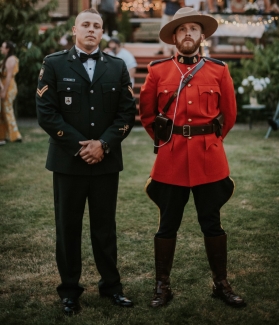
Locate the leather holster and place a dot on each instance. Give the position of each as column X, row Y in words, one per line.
column 219, row 121
column 162, row 127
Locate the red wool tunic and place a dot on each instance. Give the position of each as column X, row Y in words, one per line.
column 194, row 160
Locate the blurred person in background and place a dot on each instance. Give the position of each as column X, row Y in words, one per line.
column 169, row 8
column 238, row 5
column 264, row 6
column 274, row 8
column 115, row 49
column 108, row 11
column 8, row 90
column 198, row 5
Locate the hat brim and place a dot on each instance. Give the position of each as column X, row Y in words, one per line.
column 209, row 24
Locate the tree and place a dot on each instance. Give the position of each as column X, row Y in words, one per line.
column 125, row 27
column 20, row 23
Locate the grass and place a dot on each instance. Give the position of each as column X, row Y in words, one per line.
column 28, row 274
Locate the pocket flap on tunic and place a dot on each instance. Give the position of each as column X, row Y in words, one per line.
column 210, row 89
column 111, row 87
column 210, row 140
column 68, row 87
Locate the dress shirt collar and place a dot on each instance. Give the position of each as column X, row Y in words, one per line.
column 78, row 50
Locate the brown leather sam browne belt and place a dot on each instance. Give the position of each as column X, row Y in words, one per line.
column 188, row 130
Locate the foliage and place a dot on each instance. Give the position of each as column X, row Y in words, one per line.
column 124, row 26
column 265, row 64
column 236, row 74
column 20, row 23
column 28, row 270
column 271, row 33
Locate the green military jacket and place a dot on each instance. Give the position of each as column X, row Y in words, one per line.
column 71, row 108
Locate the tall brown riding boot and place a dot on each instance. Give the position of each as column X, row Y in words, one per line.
column 164, row 253
column 216, row 249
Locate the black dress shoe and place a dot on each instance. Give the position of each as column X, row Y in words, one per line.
column 70, row 306
column 119, row 300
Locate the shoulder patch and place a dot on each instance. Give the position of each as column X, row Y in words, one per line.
column 215, row 61
column 57, row 53
column 159, row 61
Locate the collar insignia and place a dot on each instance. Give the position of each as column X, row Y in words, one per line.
column 187, row 59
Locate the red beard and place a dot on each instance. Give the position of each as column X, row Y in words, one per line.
column 189, row 48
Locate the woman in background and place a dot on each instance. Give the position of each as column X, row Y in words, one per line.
column 8, row 92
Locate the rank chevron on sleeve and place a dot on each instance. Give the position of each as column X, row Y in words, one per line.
column 42, row 91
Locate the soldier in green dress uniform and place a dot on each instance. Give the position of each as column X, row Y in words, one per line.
column 85, row 103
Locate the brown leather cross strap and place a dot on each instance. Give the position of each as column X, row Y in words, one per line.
column 184, row 83
column 188, row 130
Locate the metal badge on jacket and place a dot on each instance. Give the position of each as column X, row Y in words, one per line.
column 68, row 100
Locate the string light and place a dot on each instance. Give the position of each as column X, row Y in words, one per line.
column 140, row 5
column 145, row 5
column 260, row 21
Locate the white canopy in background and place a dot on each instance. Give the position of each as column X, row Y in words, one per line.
column 241, row 30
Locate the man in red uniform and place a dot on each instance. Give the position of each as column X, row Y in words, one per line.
column 192, row 157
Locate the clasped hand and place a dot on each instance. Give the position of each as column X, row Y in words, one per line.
column 91, row 151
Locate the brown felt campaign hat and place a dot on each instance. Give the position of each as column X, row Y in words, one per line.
column 188, row 15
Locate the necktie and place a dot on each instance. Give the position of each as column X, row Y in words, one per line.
column 84, row 57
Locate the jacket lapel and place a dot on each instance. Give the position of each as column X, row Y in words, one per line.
column 101, row 68
column 76, row 64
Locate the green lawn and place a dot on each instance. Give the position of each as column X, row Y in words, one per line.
column 251, row 218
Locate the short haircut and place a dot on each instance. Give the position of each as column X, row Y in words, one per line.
column 91, row 10
column 115, row 40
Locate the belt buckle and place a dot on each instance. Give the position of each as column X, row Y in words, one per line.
column 186, row 132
